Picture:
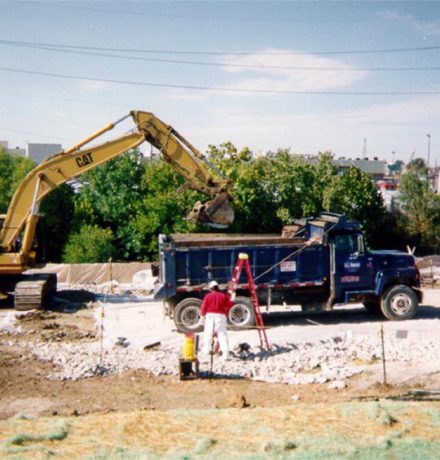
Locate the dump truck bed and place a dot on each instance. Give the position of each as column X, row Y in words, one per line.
column 216, row 240
column 190, row 261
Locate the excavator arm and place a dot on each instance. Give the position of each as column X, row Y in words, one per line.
column 199, row 173
column 65, row 165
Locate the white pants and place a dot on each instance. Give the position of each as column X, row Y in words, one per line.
column 215, row 322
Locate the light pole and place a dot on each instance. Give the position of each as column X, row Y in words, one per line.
column 429, row 149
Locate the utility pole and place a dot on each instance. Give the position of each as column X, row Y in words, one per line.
column 429, row 149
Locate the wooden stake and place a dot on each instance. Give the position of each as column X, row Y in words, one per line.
column 102, row 333
column 212, row 350
column 383, row 356
column 110, row 274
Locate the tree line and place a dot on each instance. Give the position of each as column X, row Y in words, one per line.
column 118, row 209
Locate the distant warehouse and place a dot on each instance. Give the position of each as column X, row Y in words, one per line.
column 38, row 152
column 375, row 167
column 34, row 151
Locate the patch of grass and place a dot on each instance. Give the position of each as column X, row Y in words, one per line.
column 22, row 417
column 434, row 414
column 348, row 409
column 317, row 447
column 24, row 442
column 193, row 412
column 120, row 453
column 58, row 434
column 278, row 449
column 410, row 449
column 379, row 413
column 263, row 430
column 203, row 445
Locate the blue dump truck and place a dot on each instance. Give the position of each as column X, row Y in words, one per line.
column 316, row 263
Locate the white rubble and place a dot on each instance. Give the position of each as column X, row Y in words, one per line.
column 329, row 360
column 134, row 334
column 143, row 281
column 9, row 323
column 337, row 385
column 107, row 288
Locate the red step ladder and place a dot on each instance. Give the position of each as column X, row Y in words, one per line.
column 243, row 260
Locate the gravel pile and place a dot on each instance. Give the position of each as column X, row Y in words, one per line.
column 331, row 360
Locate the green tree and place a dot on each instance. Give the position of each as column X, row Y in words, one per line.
column 269, row 191
column 355, row 195
column 109, row 193
column 420, row 207
column 88, row 245
column 108, row 197
column 161, row 209
column 55, row 209
column 414, row 196
column 254, row 195
column 56, row 212
column 136, row 199
column 13, row 168
column 433, row 232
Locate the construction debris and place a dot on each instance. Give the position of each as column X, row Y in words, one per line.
column 329, row 360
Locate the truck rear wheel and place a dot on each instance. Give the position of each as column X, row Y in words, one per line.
column 187, row 315
column 399, row 303
column 242, row 314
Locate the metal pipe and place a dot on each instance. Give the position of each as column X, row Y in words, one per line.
column 103, row 130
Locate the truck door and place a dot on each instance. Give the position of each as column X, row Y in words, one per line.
column 353, row 267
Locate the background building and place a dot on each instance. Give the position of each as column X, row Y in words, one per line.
column 16, row 151
column 38, row 152
column 34, row 151
column 374, row 167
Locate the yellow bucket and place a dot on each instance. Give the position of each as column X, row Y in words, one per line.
column 188, row 347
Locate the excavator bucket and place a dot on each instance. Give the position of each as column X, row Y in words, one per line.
column 216, row 213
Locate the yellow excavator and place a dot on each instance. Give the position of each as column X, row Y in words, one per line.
column 18, row 227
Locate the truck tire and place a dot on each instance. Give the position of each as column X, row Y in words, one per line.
column 399, row 303
column 242, row 314
column 187, row 315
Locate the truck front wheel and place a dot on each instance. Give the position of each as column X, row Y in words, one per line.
column 399, row 303
column 187, row 315
column 241, row 314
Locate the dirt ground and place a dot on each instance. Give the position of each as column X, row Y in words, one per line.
column 24, row 387
column 138, row 415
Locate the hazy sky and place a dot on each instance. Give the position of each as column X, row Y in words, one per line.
column 309, row 76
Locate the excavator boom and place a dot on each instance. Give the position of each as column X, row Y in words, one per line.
column 66, row 165
column 19, row 224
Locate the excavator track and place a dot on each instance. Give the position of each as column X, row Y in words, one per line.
column 34, row 291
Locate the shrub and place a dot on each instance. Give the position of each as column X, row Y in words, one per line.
column 90, row 244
